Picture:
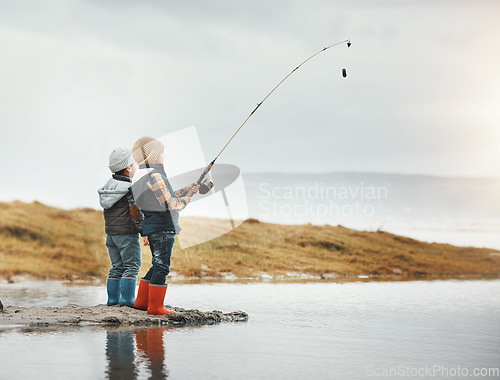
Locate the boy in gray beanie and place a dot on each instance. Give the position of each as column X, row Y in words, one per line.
column 123, row 222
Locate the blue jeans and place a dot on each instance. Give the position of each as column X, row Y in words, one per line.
column 125, row 255
column 161, row 244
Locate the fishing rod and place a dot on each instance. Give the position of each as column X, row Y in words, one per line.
column 206, row 185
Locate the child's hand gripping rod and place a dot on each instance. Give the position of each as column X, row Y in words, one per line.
column 206, row 185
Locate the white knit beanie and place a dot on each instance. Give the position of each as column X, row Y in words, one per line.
column 147, row 149
column 119, row 159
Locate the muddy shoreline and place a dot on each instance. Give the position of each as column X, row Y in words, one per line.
column 74, row 315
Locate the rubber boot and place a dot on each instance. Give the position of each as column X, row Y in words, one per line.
column 127, row 291
column 156, row 298
column 141, row 302
column 113, row 287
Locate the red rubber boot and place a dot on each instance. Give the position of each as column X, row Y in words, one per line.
column 156, row 298
column 141, row 301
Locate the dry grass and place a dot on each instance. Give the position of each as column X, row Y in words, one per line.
column 322, row 250
column 46, row 242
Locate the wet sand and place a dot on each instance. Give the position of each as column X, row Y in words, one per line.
column 74, row 315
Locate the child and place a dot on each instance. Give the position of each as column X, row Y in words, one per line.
column 160, row 205
column 123, row 222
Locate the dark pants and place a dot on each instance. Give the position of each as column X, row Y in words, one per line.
column 161, row 244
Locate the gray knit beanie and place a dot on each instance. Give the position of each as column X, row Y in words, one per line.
column 119, row 159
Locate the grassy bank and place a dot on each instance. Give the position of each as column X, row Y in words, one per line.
column 45, row 242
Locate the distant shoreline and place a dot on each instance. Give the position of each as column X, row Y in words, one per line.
column 181, row 280
column 42, row 242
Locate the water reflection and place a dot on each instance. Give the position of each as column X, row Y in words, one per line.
column 151, row 351
column 296, row 331
column 136, row 354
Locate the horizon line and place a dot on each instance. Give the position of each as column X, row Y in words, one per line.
column 461, row 176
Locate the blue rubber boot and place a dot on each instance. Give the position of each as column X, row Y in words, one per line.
column 113, row 287
column 127, row 291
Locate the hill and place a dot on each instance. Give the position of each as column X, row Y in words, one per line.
column 50, row 243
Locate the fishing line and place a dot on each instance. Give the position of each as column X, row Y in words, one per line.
column 207, row 185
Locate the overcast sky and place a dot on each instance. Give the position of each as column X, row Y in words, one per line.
column 78, row 78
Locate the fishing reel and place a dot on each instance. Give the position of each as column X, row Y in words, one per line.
column 206, row 186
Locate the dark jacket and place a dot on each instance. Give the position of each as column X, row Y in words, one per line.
column 117, row 200
column 157, row 200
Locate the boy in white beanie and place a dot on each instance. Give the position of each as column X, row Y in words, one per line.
column 161, row 206
column 123, row 222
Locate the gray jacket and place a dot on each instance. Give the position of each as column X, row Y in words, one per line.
column 121, row 215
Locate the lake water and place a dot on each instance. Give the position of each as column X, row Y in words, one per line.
column 356, row 330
